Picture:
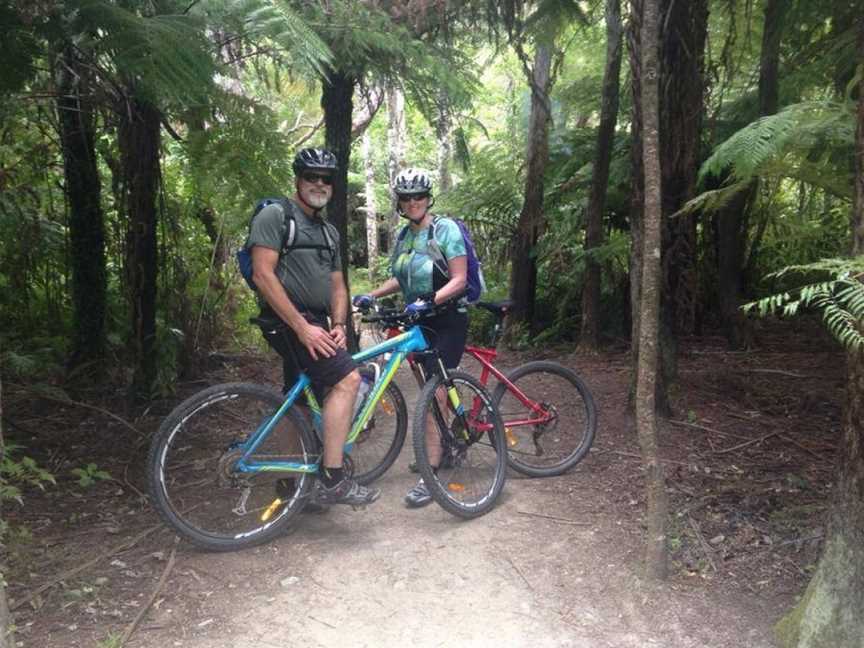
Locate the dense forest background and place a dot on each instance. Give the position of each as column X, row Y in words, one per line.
column 136, row 136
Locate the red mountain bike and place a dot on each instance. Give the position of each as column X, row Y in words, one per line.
column 549, row 414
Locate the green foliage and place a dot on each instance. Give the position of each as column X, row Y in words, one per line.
column 89, row 475
column 15, row 472
column 810, row 141
column 840, row 298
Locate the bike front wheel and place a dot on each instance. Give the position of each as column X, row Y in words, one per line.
column 191, row 468
column 381, row 439
column 468, row 448
column 549, row 416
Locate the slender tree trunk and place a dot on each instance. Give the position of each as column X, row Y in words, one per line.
column 86, row 223
column 637, row 174
column 637, row 200
column 600, row 177
column 523, row 275
column 7, row 639
column 396, row 138
column 830, row 613
column 683, row 34
column 443, row 128
column 646, row 416
column 139, row 139
column 371, row 207
column 731, row 223
column 337, row 100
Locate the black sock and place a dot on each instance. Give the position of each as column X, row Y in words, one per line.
column 331, row 476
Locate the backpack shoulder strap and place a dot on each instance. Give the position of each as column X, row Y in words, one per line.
column 331, row 245
column 289, row 230
column 434, row 249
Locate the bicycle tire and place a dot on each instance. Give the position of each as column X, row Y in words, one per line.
column 471, row 482
column 567, row 438
column 192, row 484
column 380, row 437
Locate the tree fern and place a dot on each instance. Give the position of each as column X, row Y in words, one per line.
column 839, row 298
column 811, row 139
column 167, row 56
column 280, row 23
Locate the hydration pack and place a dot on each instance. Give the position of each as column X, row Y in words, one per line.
column 289, row 237
column 474, row 284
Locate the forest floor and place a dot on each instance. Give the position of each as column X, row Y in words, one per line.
column 749, row 458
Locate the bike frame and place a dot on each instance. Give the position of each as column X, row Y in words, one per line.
column 485, row 356
column 400, row 346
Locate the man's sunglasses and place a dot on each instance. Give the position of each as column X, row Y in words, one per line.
column 312, row 178
column 414, row 197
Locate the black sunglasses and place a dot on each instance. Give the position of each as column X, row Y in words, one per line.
column 414, row 197
column 312, row 178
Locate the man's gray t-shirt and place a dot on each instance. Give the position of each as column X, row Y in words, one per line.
column 304, row 272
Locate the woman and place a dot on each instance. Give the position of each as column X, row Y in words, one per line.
column 427, row 273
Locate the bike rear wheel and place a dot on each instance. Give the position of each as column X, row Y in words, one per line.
column 381, row 440
column 566, row 418
column 473, row 465
column 193, row 484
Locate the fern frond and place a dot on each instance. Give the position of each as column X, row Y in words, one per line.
column 785, row 143
column 166, row 55
column 280, row 23
column 840, row 299
column 712, row 200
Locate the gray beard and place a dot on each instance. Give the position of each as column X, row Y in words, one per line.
column 318, row 202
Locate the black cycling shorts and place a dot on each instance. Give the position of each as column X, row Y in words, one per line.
column 324, row 373
column 448, row 333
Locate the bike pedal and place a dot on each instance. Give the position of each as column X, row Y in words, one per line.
column 358, row 507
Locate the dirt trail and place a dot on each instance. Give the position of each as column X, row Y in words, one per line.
column 553, row 565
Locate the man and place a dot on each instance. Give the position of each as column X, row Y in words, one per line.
column 302, row 287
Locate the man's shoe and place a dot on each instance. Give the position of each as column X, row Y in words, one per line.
column 286, row 487
column 418, row 496
column 348, row 492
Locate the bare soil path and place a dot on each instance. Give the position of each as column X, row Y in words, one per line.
column 556, row 563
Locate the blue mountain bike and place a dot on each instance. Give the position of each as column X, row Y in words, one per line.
column 232, row 466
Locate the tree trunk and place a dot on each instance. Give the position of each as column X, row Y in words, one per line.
column 731, row 223
column 443, row 128
column 371, row 207
column 646, row 414
column 139, row 139
column 86, row 223
column 337, row 102
column 590, row 337
column 637, row 199
column 396, row 137
column 523, row 275
column 683, row 34
column 7, row 639
column 830, row 612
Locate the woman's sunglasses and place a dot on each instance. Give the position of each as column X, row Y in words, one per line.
column 413, row 197
column 312, row 178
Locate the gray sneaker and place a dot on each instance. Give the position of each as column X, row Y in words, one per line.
column 285, row 488
column 348, row 492
column 446, row 462
column 418, row 496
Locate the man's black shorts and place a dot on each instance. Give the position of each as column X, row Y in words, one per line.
column 324, row 373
